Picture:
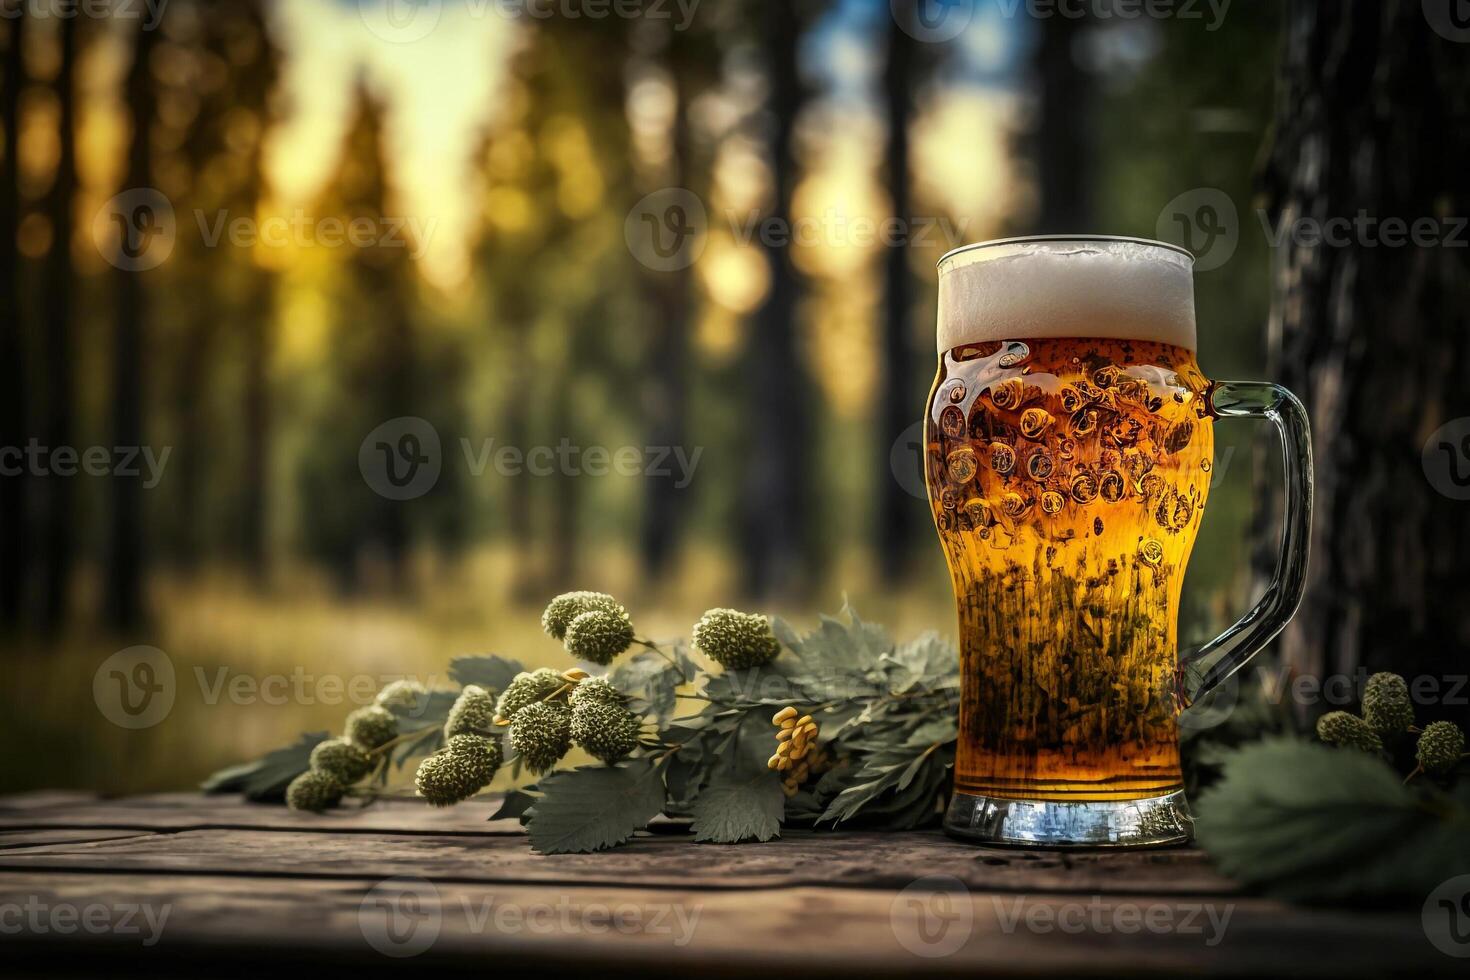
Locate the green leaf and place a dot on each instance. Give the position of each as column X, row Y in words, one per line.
column 594, row 807
column 488, row 670
column 267, row 777
column 1308, row 822
column 927, row 663
column 740, row 805
column 654, row 682
column 515, row 805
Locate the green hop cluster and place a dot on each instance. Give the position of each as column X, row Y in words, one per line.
column 342, row 760
column 1348, row 730
column 599, row 635
column 1440, row 747
column 473, row 713
column 461, row 769
column 1386, row 705
column 371, row 726
column 313, row 791
column 569, row 605
column 606, row 729
column 736, row 640
column 595, row 689
column 406, row 697
column 541, row 734
column 528, row 688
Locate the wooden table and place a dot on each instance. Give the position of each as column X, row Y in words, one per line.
column 197, row 886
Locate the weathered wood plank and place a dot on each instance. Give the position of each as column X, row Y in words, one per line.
column 861, row 860
column 15, row 839
column 207, row 922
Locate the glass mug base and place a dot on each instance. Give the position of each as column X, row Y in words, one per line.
column 1153, row 822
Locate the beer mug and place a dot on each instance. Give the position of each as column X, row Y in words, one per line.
column 1068, row 447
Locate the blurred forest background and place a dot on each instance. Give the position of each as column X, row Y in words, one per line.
column 509, row 152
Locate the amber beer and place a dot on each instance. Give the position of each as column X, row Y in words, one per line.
column 1069, row 441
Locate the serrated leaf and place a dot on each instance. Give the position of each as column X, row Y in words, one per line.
column 594, row 807
column 1309, row 822
column 653, row 682
column 267, row 777
column 741, row 805
column 488, row 670
column 515, row 805
column 927, row 663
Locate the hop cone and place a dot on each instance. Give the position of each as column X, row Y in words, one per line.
column 527, row 688
column 1440, row 746
column 1386, row 704
column 464, row 767
column 313, row 791
column 606, row 729
column 473, row 713
column 340, row 759
column 595, row 689
column 371, row 726
column 1344, row 729
column 403, row 697
column 568, row 606
column 541, row 734
column 736, row 640
column 599, row 635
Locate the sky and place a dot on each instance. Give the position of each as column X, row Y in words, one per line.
column 439, row 63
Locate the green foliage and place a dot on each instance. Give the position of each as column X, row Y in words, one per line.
column 473, row 713
column 568, row 606
column 465, row 766
column 1305, row 822
column 594, row 807
column 742, row 805
column 491, row 672
column 736, row 640
column 606, row 729
column 1440, row 747
column 342, row 760
column 371, row 726
column 599, row 635
column 266, row 779
column 540, row 733
column 314, row 791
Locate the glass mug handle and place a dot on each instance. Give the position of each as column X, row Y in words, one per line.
column 1206, row 668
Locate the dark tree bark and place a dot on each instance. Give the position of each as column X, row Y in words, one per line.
column 56, row 323
column 1063, row 147
column 898, row 512
column 1373, row 117
column 14, row 551
column 774, row 519
column 124, row 586
column 666, row 384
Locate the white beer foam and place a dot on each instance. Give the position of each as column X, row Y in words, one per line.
column 1108, row 288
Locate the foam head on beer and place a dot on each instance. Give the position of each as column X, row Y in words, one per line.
column 1017, row 289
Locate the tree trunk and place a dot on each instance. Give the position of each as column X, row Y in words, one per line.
column 666, row 382
column 56, row 322
column 256, row 322
column 1063, row 143
column 900, row 408
column 124, row 595
column 1373, row 119
column 774, row 501
column 14, row 553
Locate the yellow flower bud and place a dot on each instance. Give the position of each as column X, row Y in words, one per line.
column 783, row 749
column 774, row 762
column 803, row 720
column 783, row 715
column 785, row 734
